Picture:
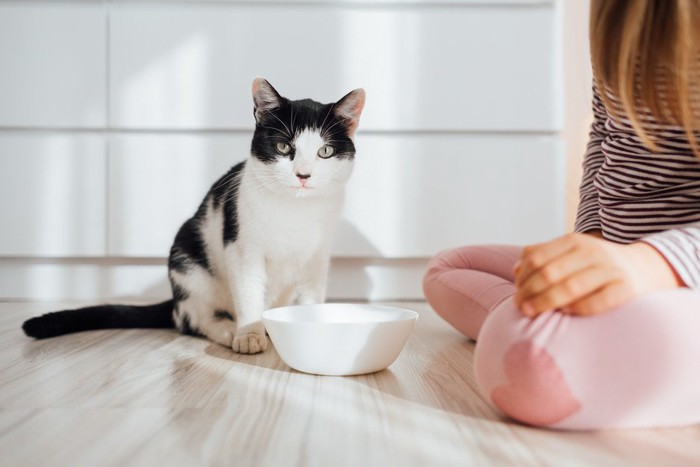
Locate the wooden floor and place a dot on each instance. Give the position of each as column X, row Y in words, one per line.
column 152, row 397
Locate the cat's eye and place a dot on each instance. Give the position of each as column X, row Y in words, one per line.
column 326, row 151
column 283, row 148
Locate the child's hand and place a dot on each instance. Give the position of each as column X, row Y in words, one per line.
column 584, row 275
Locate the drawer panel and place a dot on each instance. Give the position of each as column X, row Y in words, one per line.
column 53, row 62
column 478, row 68
column 158, row 181
column 412, row 196
column 409, row 196
column 52, row 195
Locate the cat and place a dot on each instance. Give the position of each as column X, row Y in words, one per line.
column 261, row 237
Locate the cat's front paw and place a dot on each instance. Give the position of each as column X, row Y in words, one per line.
column 249, row 342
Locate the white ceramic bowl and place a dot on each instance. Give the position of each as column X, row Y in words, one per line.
column 339, row 338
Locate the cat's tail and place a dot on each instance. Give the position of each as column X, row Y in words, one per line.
column 58, row 323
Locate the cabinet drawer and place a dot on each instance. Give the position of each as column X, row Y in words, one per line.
column 438, row 67
column 412, row 196
column 158, row 181
column 52, row 195
column 53, row 62
column 409, row 196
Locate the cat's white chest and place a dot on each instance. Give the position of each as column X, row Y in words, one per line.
column 286, row 229
column 295, row 230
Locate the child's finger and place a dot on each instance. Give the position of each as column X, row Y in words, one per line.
column 574, row 288
column 553, row 273
column 536, row 256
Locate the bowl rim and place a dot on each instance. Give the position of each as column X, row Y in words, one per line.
column 409, row 314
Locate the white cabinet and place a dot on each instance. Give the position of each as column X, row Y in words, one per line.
column 423, row 67
column 116, row 118
column 53, row 194
column 53, row 62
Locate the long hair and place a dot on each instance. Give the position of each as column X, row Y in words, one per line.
column 647, row 54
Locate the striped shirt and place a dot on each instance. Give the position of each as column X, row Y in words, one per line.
column 633, row 194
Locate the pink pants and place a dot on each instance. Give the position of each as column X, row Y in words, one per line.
column 635, row 366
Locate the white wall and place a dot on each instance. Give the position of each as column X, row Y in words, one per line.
column 115, row 117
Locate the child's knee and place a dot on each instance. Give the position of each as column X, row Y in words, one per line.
column 437, row 265
column 441, row 262
column 534, row 390
column 518, row 375
column 444, row 262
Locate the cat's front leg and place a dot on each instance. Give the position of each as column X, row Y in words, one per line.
column 313, row 289
column 248, row 281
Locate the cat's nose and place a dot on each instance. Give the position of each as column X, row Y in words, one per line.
column 303, row 176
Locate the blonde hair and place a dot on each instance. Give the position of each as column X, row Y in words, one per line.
column 647, row 53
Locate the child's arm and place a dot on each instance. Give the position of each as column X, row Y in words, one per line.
column 681, row 249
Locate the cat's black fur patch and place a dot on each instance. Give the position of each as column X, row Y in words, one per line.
column 226, row 187
column 275, row 126
column 225, row 191
column 189, row 246
column 179, row 292
column 223, row 314
column 186, row 328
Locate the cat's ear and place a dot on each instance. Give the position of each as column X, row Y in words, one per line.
column 349, row 109
column 265, row 98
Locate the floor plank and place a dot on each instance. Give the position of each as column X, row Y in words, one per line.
column 147, row 397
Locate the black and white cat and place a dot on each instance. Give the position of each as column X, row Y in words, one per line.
column 260, row 238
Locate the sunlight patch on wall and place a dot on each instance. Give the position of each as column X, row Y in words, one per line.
column 374, row 201
column 180, row 72
column 386, row 55
column 380, row 51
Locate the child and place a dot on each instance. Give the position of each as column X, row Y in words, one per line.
column 601, row 328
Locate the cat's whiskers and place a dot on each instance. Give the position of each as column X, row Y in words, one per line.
column 272, row 137
column 268, row 179
column 326, row 117
column 233, row 195
column 291, row 123
column 335, row 124
column 289, row 132
column 286, row 135
column 271, row 180
column 231, row 189
column 326, row 131
column 224, row 181
column 331, row 141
